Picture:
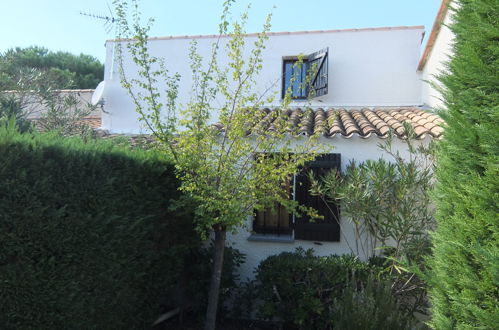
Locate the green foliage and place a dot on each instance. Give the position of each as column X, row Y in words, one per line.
column 34, row 78
column 224, row 170
column 86, row 237
column 299, row 288
column 64, row 113
column 370, row 306
column 63, row 68
column 387, row 201
column 465, row 263
column 217, row 168
column 11, row 109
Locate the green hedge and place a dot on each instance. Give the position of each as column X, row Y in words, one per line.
column 464, row 282
column 86, row 238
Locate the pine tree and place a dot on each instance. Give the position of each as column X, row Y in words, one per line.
column 465, row 264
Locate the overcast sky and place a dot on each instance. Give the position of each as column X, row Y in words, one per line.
column 58, row 24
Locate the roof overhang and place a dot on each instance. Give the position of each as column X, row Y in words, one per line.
column 437, row 26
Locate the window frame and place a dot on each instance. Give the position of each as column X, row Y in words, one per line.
column 319, row 83
column 283, row 89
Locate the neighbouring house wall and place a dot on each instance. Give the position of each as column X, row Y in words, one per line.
column 354, row 149
column 367, row 68
column 436, row 63
column 34, row 109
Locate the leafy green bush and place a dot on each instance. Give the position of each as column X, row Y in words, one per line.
column 87, row 240
column 299, row 288
column 369, row 307
column 465, row 265
column 387, row 201
column 389, row 206
column 11, row 109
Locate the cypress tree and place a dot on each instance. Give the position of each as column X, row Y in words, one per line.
column 464, row 279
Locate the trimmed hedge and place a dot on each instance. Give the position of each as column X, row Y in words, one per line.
column 86, row 238
column 464, row 281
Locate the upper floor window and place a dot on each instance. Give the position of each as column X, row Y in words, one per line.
column 308, row 78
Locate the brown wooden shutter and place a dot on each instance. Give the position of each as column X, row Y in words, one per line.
column 319, row 80
column 327, row 229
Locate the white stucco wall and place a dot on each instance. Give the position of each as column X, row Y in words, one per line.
column 367, row 68
column 354, row 149
column 34, row 109
column 436, row 64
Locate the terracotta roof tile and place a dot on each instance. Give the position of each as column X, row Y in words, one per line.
column 364, row 122
column 93, row 121
column 437, row 131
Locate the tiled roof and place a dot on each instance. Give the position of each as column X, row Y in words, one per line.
column 94, row 122
column 331, row 122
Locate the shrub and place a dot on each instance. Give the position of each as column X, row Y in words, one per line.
column 389, row 206
column 299, row 288
column 369, row 307
column 464, row 280
column 86, row 237
column 387, row 201
column 12, row 109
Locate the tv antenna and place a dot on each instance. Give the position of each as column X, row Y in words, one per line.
column 109, row 20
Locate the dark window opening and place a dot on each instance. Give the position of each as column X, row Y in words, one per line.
column 275, row 220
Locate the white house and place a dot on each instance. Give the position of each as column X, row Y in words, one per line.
column 369, row 81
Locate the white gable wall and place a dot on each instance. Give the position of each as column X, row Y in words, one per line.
column 371, row 67
column 436, row 64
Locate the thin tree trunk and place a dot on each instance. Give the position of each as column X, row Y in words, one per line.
column 216, row 276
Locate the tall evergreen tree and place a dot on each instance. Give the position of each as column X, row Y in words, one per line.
column 63, row 69
column 465, row 264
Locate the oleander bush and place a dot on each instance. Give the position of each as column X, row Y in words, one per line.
column 11, row 109
column 88, row 239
